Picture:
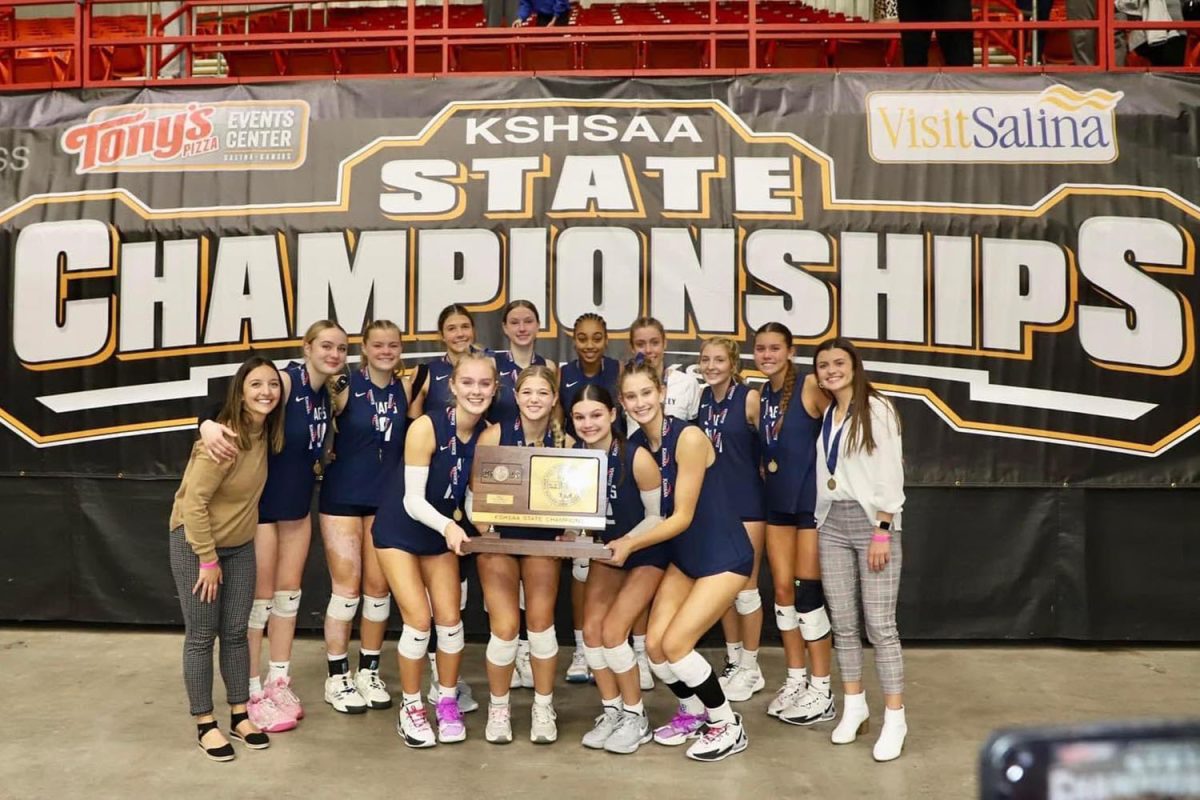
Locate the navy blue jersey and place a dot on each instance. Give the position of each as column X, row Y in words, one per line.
column 571, row 380
column 449, row 475
column 369, row 443
column 791, row 445
column 513, row 435
column 504, row 407
column 292, row 471
column 716, row 541
column 625, row 508
column 438, row 396
column 736, row 443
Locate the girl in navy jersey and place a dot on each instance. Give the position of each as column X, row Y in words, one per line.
column 520, row 322
column 615, row 596
column 711, row 558
column 729, row 416
column 537, row 424
column 789, row 420
column 590, row 368
column 371, row 418
column 418, row 535
column 681, row 399
column 284, row 526
column 457, row 327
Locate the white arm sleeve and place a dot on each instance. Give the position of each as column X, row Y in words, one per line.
column 652, row 503
column 415, row 503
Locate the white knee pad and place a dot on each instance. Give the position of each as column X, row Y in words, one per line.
column 462, row 595
column 343, row 609
column 501, row 652
column 786, row 618
column 450, row 638
column 814, row 625
column 543, row 644
column 579, row 569
column 413, row 643
column 620, row 658
column 376, row 609
column 286, row 604
column 595, row 658
column 260, row 612
column 662, row 671
column 747, row 601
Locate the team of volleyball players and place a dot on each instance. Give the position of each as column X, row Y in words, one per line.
column 705, row 473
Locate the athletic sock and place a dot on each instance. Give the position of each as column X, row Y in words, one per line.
column 732, row 651
column 638, row 708
column 639, row 644
column 578, row 639
column 369, row 660
column 278, row 669
column 543, row 699
column 500, row 699
column 613, row 703
column 445, row 692
column 749, row 659
column 338, row 665
column 256, row 685
column 411, row 699
column 821, row 684
column 798, row 675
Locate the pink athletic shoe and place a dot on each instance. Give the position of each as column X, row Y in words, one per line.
column 280, row 693
column 682, row 727
column 266, row 716
column 450, row 722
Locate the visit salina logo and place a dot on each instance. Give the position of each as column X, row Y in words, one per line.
column 1055, row 126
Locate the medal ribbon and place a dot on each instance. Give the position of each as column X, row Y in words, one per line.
column 458, row 488
column 832, row 449
column 381, row 424
column 768, row 407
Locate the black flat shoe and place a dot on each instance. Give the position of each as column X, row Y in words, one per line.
column 255, row 741
column 223, row 752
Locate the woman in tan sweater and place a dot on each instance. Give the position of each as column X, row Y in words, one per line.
column 212, row 553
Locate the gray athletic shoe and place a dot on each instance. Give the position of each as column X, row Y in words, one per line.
column 606, row 723
column 632, row 732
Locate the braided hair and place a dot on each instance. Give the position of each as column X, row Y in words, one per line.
column 789, row 377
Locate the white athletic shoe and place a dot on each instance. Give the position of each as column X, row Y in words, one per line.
column 810, row 708
column 727, row 672
column 606, row 723
column 522, row 677
column 578, row 672
column 372, row 689
column 632, row 732
column 744, row 682
column 343, row 696
column 543, row 729
column 720, row 740
column 466, row 698
column 645, row 676
column 787, row 694
column 499, row 724
column 413, row 726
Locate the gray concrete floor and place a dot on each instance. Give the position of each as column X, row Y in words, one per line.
column 102, row 713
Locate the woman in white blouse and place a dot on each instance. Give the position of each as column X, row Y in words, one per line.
column 860, row 493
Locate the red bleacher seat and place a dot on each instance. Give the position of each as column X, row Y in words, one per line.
column 675, row 55
column 254, row 64
column 797, row 54
column 317, row 61
column 548, row 56
column 609, row 55
column 859, row 53
column 481, row 58
column 369, row 61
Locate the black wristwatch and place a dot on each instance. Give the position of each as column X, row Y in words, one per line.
column 883, row 525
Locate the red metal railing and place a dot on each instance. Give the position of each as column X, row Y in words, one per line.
column 89, row 49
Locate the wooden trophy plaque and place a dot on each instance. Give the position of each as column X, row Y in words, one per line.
column 539, row 487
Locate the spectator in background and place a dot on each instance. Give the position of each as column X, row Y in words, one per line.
column 1083, row 41
column 545, row 12
column 1039, row 11
column 1163, row 47
column 958, row 47
column 500, row 12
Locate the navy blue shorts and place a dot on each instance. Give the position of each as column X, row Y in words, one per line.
column 803, row 520
column 346, row 509
column 699, row 569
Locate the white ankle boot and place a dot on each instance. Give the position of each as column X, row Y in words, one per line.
column 855, row 719
column 891, row 738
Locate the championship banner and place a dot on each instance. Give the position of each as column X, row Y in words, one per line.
column 1013, row 254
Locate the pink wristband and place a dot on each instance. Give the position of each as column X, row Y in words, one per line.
column 211, row 564
column 881, row 537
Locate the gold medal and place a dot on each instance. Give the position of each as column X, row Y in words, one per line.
column 772, row 466
column 317, row 469
column 831, row 483
column 458, row 515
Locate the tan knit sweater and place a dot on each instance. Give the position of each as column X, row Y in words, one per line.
column 217, row 504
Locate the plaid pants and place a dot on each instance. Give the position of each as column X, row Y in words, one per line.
column 844, row 537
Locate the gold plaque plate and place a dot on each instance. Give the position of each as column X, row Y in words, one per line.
column 540, row 487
